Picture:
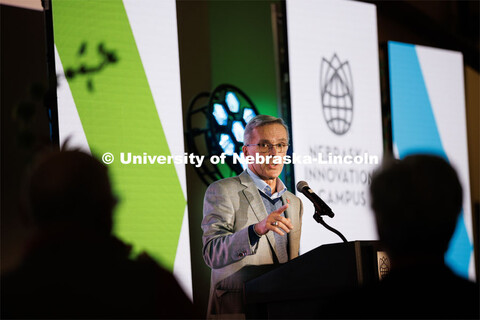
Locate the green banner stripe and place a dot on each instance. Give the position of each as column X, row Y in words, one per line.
column 118, row 114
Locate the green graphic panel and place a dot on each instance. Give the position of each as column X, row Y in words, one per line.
column 118, row 114
column 242, row 53
column 242, row 50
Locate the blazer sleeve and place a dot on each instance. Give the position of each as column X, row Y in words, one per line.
column 222, row 243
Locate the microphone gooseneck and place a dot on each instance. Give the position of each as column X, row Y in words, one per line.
column 321, row 208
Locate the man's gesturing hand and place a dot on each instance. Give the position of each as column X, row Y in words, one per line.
column 275, row 222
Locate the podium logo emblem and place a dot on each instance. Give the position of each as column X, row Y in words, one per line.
column 336, row 91
column 383, row 264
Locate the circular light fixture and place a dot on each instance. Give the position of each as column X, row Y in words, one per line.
column 219, row 128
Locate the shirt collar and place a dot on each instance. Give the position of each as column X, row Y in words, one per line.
column 265, row 188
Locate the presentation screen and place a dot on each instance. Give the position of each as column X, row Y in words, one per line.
column 427, row 98
column 119, row 99
column 336, row 113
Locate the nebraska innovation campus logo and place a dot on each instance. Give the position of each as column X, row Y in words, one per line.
column 336, row 90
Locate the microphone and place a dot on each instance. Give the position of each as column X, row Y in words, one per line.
column 321, row 207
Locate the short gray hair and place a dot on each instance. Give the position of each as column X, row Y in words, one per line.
column 259, row 121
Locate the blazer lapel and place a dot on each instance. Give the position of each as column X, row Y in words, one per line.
column 290, row 209
column 253, row 197
column 294, row 218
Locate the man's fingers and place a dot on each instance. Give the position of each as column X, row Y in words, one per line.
column 287, row 223
column 284, row 221
column 285, row 227
column 281, row 224
column 277, row 230
column 277, row 214
column 280, row 210
column 277, row 223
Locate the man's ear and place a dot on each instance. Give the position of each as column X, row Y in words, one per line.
column 245, row 150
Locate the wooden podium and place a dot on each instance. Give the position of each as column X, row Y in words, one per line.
column 298, row 288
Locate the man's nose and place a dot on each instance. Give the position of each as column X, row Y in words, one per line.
column 272, row 150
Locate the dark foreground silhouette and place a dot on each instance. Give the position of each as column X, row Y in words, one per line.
column 74, row 266
column 416, row 202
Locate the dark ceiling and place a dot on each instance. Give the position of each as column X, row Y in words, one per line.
column 445, row 24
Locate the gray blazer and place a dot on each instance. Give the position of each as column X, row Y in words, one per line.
column 230, row 206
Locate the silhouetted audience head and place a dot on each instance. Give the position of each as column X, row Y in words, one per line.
column 416, row 202
column 74, row 267
column 70, row 186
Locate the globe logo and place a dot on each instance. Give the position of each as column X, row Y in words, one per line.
column 336, row 90
column 384, row 267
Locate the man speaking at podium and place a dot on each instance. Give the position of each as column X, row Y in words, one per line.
column 249, row 220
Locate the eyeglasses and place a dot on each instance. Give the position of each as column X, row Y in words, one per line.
column 265, row 147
